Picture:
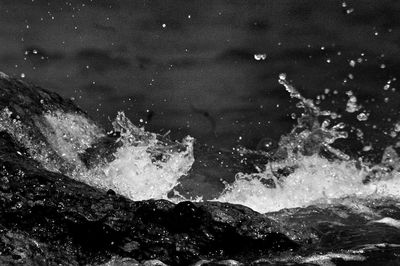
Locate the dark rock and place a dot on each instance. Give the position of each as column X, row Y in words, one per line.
column 22, row 107
column 27, row 100
column 88, row 226
column 47, row 218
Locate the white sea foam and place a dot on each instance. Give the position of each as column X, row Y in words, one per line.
column 316, row 180
column 326, row 259
column 135, row 172
column 319, row 259
column 388, row 221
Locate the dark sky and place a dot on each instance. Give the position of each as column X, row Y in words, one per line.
column 190, row 66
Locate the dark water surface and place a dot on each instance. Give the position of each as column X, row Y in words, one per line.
column 189, row 66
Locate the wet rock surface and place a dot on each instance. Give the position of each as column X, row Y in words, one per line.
column 27, row 100
column 47, row 218
column 23, row 107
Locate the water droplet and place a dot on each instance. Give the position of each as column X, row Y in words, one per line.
column 351, row 105
column 362, row 117
column 360, row 134
column 259, row 57
column 397, row 127
column 367, row 148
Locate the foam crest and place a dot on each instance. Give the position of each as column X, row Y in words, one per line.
column 137, row 175
column 303, row 177
column 145, row 165
column 315, row 180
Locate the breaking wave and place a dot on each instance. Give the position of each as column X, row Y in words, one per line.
column 315, row 181
column 142, row 166
column 298, row 175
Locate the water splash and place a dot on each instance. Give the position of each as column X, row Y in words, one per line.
column 298, row 175
column 310, row 135
column 315, row 179
column 137, row 175
column 37, row 148
column 146, row 165
column 69, row 134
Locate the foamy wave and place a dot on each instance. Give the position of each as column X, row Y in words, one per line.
column 135, row 172
column 136, row 175
column 313, row 179
column 143, row 169
column 316, row 180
